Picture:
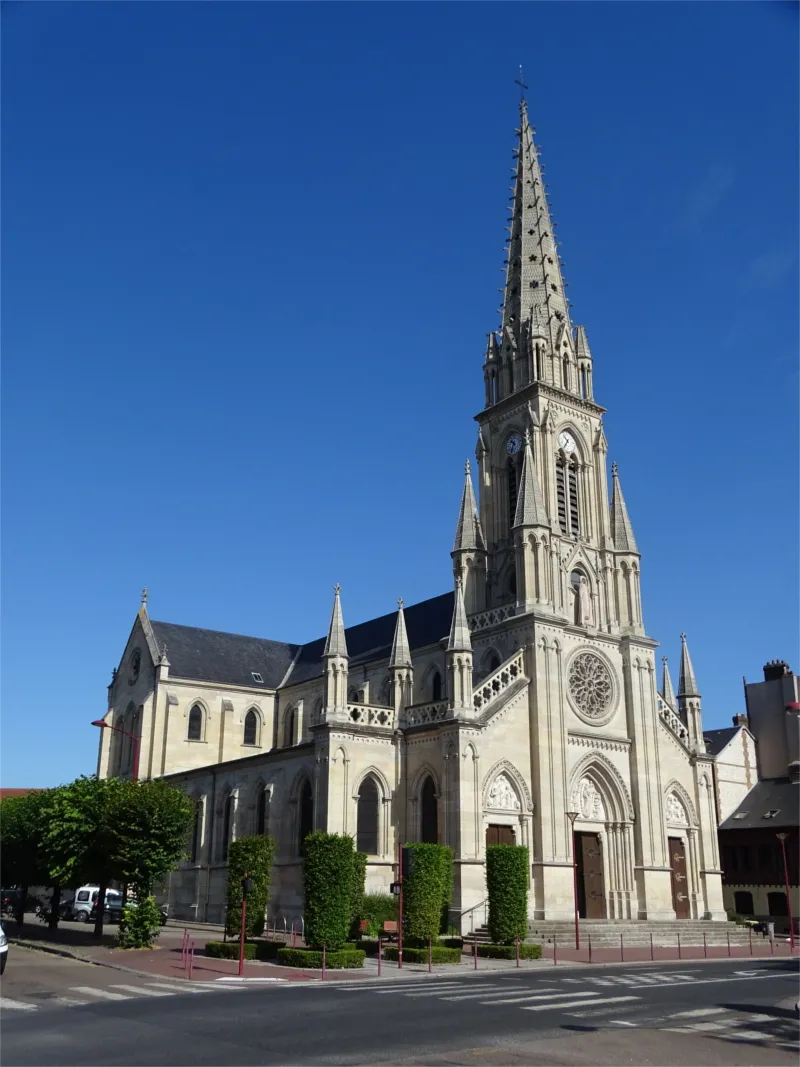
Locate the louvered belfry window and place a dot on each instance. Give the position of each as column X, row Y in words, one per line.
column 513, row 491
column 574, row 510
column 561, row 495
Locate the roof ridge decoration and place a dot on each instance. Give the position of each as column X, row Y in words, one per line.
column 335, row 644
column 667, row 692
column 530, row 503
column 401, row 653
column 459, row 640
column 687, row 683
column 469, row 534
column 621, row 529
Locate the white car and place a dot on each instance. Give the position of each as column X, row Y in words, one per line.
column 3, row 949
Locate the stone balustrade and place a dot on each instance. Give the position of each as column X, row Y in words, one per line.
column 371, row 715
column 505, row 675
column 673, row 722
column 419, row 714
column 484, row 619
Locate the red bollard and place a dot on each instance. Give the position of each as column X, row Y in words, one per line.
column 590, row 948
column 323, row 961
column 191, row 959
column 555, row 950
column 621, row 949
column 750, row 931
column 516, row 940
column 705, row 946
column 679, row 946
column 729, row 942
column 652, row 957
column 772, row 945
column 430, row 957
column 475, row 952
column 380, row 954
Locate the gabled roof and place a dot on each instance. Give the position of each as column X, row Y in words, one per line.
column 427, row 623
column 716, row 740
column 780, row 795
column 213, row 656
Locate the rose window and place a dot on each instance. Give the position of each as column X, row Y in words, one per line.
column 590, row 685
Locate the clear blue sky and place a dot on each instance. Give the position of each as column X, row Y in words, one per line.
column 251, row 253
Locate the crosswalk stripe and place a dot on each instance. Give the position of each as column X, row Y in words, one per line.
column 575, row 1004
column 501, row 993
column 484, row 989
column 16, row 1005
column 427, row 988
column 91, row 991
column 70, row 1002
column 181, row 989
column 138, row 989
column 535, row 996
column 699, row 1012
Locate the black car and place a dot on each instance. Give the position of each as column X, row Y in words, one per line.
column 9, row 900
column 112, row 913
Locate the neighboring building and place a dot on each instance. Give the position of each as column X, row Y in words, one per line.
column 18, row 792
column 736, row 771
column 383, row 732
column 752, row 856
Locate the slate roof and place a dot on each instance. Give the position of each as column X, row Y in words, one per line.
column 770, row 794
column 716, row 740
column 213, row 656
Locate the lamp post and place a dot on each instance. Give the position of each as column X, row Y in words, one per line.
column 782, row 838
column 572, row 816
column 118, row 729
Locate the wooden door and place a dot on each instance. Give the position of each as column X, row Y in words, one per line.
column 680, row 884
column 591, row 884
column 500, row 835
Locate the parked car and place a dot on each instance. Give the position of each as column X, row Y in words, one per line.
column 9, row 900
column 3, row 949
column 112, row 913
column 80, row 908
column 163, row 909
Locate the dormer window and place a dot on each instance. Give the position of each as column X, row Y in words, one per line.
column 257, row 677
column 771, row 813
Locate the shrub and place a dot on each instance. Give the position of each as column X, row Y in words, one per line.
column 507, row 885
column 344, row 958
column 357, row 898
column 252, row 856
column 509, row 952
column 439, row 954
column 328, row 866
column 378, row 908
column 267, row 950
column 448, row 872
column 229, row 950
column 140, row 924
column 425, row 887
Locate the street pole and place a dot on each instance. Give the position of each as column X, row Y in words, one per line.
column 572, row 816
column 782, row 838
column 245, row 890
column 400, row 906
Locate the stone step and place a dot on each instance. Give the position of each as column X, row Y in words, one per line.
column 635, row 933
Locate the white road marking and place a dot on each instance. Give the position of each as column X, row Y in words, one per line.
column 698, row 1012
column 70, row 1002
column 576, row 1004
column 484, row 989
column 180, row 989
column 438, row 987
column 16, row 1005
column 138, row 989
column 622, row 1022
column 504, row 993
column 106, row 994
column 536, row 996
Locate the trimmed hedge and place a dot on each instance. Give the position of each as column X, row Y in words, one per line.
column 328, row 875
column 229, row 950
column 345, row 958
column 251, row 855
column 268, row 950
column 507, row 885
column 439, row 954
column 426, row 889
column 357, row 897
column 509, row 952
column 378, row 908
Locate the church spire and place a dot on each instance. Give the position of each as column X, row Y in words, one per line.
column 401, row 653
column 667, row 692
column 459, row 630
column 530, row 504
column 335, row 645
column 533, row 272
column 687, row 683
column 469, row 534
column 621, row 529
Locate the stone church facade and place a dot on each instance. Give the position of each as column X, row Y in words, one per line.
column 525, row 698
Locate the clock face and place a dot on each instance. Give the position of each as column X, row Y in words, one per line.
column 513, row 444
column 567, row 441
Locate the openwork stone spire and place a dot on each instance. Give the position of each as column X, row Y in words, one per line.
column 530, row 504
column 401, row 653
column 621, row 529
column 533, row 274
column 335, row 645
column 459, row 630
column 687, row 683
column 667, row 692
column 469, row 535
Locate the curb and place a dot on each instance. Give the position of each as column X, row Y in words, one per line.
column 52, row 950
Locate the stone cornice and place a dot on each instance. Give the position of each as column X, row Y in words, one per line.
column 609, row 744
column 509, row 404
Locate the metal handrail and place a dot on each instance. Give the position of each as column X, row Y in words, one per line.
column 471, row 911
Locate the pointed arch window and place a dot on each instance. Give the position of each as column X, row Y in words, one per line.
column 195, row 730
column 367, row 817
column 289, row 727
column 197, row 831
column 568, row 496
column 429, row 812
column 227, row 824
column 436, row 686
column 251, row 728
column 262, row 810
column 306, row 815
column 513, row 489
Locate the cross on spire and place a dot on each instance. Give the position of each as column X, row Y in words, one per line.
column 520, row 81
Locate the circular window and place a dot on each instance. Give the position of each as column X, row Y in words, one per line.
column 591, row 689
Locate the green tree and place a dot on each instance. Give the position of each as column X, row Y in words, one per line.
column 328, row 879
column 251, row 856
column 507, row 886
column 426, row 889
column 24, row 863
column 357, row 899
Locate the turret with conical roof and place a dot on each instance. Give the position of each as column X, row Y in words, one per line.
column 667, row 692
column 469, row 549
column 459, row 658
column 401, row 671
column 336, row 663
column 689, row 702
column 531, row 527
column 626, row 561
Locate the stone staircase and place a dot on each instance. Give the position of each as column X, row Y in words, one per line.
column 606, row 934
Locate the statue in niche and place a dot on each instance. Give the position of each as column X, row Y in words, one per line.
column 502, row 794
column 582, row 599
column 676, row 813
column 587, row 800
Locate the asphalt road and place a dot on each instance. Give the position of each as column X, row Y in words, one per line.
column 724, row 1013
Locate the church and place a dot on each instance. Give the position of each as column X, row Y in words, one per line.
column 522, row 706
